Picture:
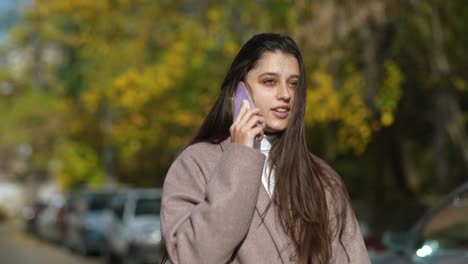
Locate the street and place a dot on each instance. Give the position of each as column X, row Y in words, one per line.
column 17, row 247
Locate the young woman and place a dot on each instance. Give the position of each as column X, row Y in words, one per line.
column 249, row 191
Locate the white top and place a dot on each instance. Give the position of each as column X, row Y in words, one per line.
column 264, row 146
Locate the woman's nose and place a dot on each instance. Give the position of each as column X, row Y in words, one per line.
column 284, row 92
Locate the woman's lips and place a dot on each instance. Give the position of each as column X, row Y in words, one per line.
column 281, row 112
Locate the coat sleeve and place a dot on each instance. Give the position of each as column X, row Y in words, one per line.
column 205, row 217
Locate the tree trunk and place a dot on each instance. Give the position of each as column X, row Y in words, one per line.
column 456, row 130
column 440, row 142
column 440, row 70
column 400, row 163
column 107, row 149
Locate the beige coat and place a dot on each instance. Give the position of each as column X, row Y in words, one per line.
column 211, row 211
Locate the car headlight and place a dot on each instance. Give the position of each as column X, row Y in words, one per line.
column 151, row 238
column 427, row 249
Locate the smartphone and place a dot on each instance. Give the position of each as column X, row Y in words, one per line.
column 242, row 93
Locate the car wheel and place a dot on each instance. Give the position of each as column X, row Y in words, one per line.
column 129, row 259
column 109, row 257
column 82, row 249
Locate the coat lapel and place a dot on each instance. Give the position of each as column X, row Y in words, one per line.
column 273, row 225
column 271, row 221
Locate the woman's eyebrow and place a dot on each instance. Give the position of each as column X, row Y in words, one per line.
column 294, row 76
column 277, row 74
column 268, row 74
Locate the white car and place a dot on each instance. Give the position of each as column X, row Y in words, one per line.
column 133, row 234
column 49, row 226
column 439, row 237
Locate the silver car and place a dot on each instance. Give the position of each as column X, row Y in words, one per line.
column 439, row 237
column 86, row 219
column 133, row 235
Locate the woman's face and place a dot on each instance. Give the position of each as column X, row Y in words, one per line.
column 273, row 83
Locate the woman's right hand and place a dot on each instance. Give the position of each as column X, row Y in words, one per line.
column 248, row 126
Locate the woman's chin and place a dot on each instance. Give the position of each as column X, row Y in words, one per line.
column 274, row 130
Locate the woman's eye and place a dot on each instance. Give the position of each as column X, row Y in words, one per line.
column 294, row 84
column 269, row 82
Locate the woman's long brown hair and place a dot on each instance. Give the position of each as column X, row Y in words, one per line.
column 302, row 182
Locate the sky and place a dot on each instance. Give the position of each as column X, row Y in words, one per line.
column 9, row 10
column 6, row 3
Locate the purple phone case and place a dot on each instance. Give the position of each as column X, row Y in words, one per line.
column 241, row 94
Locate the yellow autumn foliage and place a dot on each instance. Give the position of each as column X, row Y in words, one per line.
column 343, row 105
column 389, row 93
column 461, row 85
column 133, row 89
column 78, row 165
column 147, row 73
column 323, row 102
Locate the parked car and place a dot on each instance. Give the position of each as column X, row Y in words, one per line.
column 372, row 241
column 439, row 237
column 86, row 218
column 133, row 234
column 50, row 221
column 30, row 215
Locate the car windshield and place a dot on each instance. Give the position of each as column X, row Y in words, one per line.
column 148, row 206
column 99, row 202
column 449, row 227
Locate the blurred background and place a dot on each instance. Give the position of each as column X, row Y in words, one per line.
column 97, row 97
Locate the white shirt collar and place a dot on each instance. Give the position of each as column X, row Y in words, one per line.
column 265, row 144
